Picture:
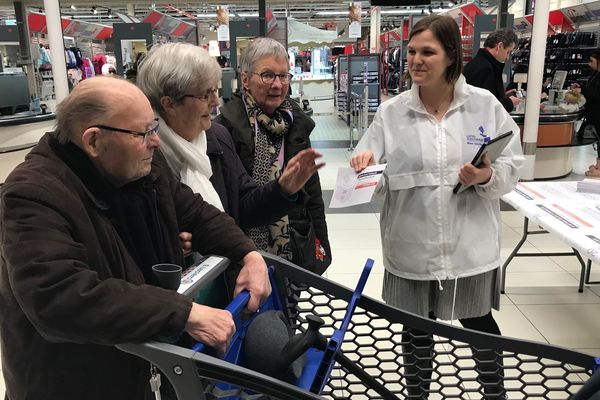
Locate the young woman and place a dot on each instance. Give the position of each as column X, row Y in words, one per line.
column 441, row 250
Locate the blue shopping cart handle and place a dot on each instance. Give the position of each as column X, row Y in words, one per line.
column 235, row 308
column 239, row 303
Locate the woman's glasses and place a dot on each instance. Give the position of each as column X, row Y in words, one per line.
column 209, row 93
column 268, row 77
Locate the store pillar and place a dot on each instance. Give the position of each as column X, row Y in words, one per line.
column 55, row 39
column 374, row 43
column 535, row 77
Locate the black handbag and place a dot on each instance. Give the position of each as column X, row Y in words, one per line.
column 302, row 243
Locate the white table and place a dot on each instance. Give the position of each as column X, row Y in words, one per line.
column 558, row 208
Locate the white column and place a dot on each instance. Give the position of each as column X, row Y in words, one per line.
column 130, row 9
column 535, row 76
column 57, row 46
column 374, row 45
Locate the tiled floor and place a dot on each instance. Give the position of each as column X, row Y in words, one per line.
column 542, row 302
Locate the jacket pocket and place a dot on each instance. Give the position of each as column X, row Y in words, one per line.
column 413, row 179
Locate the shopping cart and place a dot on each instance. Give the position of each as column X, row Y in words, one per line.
column 372, row 354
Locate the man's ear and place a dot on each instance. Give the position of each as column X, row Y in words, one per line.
column 90, row 143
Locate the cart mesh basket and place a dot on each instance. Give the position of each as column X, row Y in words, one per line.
column 409, row 356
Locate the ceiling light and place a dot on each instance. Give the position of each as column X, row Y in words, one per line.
column 73, row 7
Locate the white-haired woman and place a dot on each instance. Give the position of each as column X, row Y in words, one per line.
column 268, row 130
column 180, row 81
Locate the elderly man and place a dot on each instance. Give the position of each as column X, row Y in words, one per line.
column 84, row 218
column 485, row 69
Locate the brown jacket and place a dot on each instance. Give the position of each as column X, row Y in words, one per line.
column 69, row 290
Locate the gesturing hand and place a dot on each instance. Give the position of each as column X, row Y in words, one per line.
column 471, row 175
column 362, row 160
column 299, row 170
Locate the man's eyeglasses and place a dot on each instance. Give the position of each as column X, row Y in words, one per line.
column 209, row 93
column 268, row 77
column 144, row 135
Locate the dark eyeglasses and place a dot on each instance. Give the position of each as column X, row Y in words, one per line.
column 144, row 135
column 209, row 93
column 268, row 77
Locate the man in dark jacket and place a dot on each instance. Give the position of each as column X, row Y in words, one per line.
column 485, row 69
column 84, row 218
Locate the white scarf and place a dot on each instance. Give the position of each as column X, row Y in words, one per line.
column 190, row 161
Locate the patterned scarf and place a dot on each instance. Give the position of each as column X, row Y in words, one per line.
column 268, row 162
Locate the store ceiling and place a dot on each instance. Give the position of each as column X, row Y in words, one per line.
column 316, row 13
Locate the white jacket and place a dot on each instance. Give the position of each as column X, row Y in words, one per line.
column 427, row 231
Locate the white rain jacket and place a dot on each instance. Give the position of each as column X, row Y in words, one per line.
column 427, row 231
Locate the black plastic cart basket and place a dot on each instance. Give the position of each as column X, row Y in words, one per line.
column 374, row 355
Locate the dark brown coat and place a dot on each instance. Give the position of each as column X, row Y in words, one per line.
column 69, row 290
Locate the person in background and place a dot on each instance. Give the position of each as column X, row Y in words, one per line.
column 485, row 69
column 591, row 92
column 84, row 218
column 268, row 129
column 441, row 250
column 201, row 153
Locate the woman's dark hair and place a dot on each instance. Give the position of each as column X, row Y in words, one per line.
column 595, row 54
column 445, row 30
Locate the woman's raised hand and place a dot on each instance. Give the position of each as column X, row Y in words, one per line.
column 299, row 170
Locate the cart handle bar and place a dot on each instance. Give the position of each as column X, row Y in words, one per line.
column 235, row 308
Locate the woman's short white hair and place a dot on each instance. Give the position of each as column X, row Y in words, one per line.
column 177, row 69
column 259, row 49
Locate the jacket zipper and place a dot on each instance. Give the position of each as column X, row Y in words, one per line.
column 443, row 159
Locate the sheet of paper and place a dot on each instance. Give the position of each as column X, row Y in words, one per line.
column 352, row 188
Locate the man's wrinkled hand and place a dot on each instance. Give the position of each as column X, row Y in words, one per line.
column 299, row 170
column 254, row 278
column 211, row 326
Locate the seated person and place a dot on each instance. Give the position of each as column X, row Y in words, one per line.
column 84, row 218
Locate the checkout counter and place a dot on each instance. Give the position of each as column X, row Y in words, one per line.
column 556, row 139
column 19, row 133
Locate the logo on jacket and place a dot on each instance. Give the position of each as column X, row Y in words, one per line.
column 479, row 139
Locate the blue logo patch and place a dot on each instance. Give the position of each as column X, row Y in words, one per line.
column 479, row 139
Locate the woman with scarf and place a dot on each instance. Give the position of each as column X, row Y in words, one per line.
column 202, row 154
column 268, row 129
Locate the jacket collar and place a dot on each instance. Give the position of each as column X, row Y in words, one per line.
column 212, row 143
column 98, row 188
column 462, row 92
column 235, row 112
column 483, row 53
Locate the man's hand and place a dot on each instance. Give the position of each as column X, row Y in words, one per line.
column 515, row 100
column 362, row 160
column 210, row 326
column 299, row 170
column 255, row 279
column 185, row 238
column 471, row 175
